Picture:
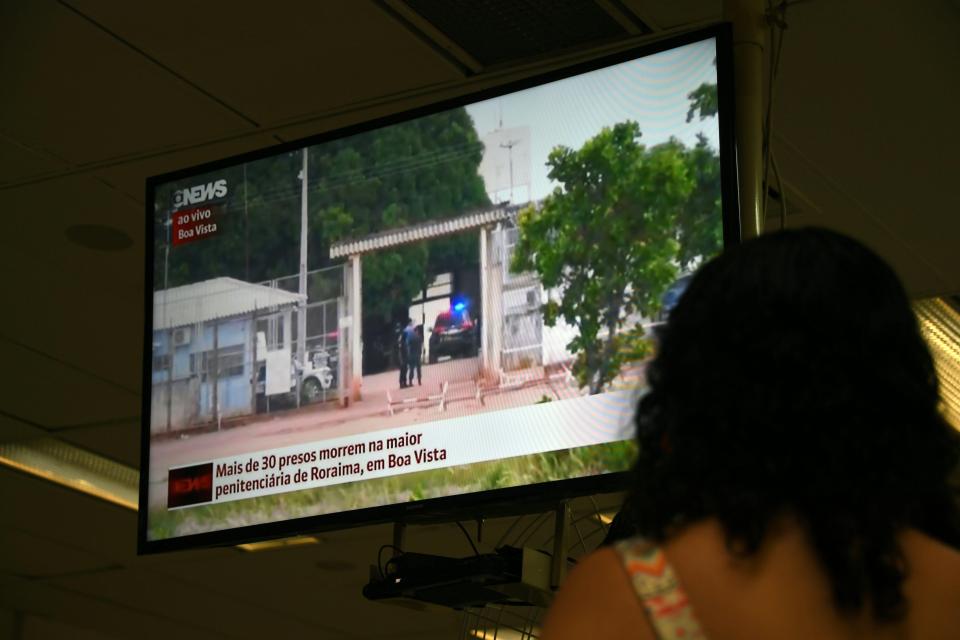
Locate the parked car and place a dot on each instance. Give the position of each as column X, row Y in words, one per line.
column 318, row 376
column 672, row 296
column 454, row 333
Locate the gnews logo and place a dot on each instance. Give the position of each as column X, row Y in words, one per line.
column 190, row 485
column 200, row 193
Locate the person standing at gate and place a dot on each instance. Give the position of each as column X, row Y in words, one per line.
column 402, row 354
column 415, row 355
column 403, row 344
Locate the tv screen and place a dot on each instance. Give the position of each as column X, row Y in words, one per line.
column 439, row 312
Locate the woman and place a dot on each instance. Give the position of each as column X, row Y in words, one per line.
column 415, row 356
column 794, row 471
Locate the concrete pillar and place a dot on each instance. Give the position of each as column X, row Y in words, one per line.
column 251, row 358
column 484, row 305
column 356, row 330
column 343, row 343
column 495, row 304
column 749, row 39
column 287, row 329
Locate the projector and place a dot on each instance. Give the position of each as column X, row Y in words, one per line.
column 510, row 576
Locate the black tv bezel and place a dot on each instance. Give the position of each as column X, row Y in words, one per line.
column 498, row 502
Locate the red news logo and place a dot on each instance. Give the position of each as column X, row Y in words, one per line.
column 190, row 485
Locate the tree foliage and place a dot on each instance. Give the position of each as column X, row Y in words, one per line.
column 605, row 240
column 410, row 172
column 613, row 236
column 258, row 226
column 703, row 101
column 401, row 175
column 700, row 218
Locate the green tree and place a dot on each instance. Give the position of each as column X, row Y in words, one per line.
column 406, row 173
column 415, row 171
column 700, row 221
column 700, row 218
column 703, row 101
column 607, row 240
column 258, row 226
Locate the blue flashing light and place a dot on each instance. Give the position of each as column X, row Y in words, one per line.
column 459, row 306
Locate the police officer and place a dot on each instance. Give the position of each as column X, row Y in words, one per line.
column 403, row 346
column 415, row 353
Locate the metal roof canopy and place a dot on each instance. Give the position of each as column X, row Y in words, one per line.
column 422, row 231
column 214, row 299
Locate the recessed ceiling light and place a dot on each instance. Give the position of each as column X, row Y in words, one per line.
column 940, row 326
column 266, row 545
column 605, row 518
column 75, row 468
column 98, row 237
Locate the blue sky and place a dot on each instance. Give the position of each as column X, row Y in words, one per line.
column 651, row 90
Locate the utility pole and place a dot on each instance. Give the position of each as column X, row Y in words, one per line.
column 302, row 308
column 509, row 145
column 246, row 227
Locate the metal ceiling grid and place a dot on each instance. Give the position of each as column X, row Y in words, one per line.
column 497, row 31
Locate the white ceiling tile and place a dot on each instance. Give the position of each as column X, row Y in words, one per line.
column 295, row 59
column 73, row 519
column 118, row 442
column 31, row 556
column 51, row 611
column 18, row 162
column 131, row 176
column 675, row 13
column 13, row 430
column 92, row 331
column 78, row 92
column 874, row 118
column 200, row 607
column 39, row 628
column 44, row 391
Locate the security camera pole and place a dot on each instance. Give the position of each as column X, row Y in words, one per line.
column 509, row 145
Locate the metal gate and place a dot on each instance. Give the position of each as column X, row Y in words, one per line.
column 522, row 316
column 324, row 298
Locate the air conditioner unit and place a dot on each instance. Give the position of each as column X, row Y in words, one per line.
column 182, row 336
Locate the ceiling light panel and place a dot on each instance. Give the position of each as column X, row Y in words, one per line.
column 940, row 325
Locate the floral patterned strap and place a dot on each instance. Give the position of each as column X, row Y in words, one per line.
column 656, row 584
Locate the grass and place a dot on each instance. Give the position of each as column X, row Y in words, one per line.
column 409, row 487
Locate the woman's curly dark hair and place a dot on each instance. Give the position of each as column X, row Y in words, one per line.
column 792, row 378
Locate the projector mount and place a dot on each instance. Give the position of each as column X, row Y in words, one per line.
column 508, row 576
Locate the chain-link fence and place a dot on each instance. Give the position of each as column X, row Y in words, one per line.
column 321, row 371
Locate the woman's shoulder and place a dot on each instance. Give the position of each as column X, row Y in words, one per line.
column 597, row 600
column 932, row 587
column 639, row 553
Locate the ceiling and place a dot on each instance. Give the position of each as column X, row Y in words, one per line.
column 98, row 96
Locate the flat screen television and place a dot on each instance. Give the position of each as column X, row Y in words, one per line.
column 445, row 312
